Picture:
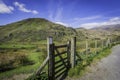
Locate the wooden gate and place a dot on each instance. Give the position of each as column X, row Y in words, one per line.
column 59, row 60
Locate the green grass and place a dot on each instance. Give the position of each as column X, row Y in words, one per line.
column 24, row 69
column 39, row 55
column 87, row 60
column 17, row 46
column 36, row 57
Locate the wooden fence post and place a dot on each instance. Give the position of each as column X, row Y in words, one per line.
column 86, row 46
column 95, row 46
column 68, row 54
column 73, row 52
column 51, row 58
column 108, row 42
column 102, row 44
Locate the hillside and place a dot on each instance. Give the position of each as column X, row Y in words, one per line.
column 37, row 29
column 92, row 34
column 109, row 30
column 109, row 27
column 34, row 29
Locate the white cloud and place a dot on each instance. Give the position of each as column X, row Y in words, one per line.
column 62, row 23
column 50, row 10
column 88, row 18
column 89, row 25
column 35, row 12
column 50, row 14
column 22, row 8
column 58, row 16
column 77, row 21
column 11, row 8
column 112, row 21
column 5, row 9
column 115, row 19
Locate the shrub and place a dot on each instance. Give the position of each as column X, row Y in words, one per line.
column 38, row 50
column 6, row 62
column 15, row 50
column 10, row 61
column 22, row 59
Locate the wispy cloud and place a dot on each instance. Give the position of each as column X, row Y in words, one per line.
column 62, row 23
column 77, row 21
column 88, row 18
column 55, row 13
column 112, row 21
column 22, row 8
column 50, row 16
column 5, row 8
column 59, row 15
column 50, row 10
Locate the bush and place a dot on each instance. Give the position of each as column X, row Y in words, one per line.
column 15, row 50
column 38, row 50
column 10, row 61
column 22, row 59
column 6, row 62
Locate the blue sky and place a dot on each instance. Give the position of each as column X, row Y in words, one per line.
column 74, row 13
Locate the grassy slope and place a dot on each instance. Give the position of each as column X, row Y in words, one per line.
column 34, row 29
column 37, row 29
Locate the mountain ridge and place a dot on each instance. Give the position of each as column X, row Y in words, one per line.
column 37, row 29
column 34, row 29
column 108, row 27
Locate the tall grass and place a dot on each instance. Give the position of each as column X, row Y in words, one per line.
column 17, row 60
column 87, row 60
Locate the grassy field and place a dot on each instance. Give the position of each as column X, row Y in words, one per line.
column 25, row 58
column 20, row 58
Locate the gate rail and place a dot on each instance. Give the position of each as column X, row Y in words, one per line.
column 58, row 68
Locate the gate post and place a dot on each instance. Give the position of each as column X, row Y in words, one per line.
column 51, row 58
column 68, row 53
column 73, row 52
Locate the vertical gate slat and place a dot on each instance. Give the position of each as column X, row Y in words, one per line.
column 51, row 63
column 68, row 54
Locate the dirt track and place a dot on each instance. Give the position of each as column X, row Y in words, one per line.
column 107, row 69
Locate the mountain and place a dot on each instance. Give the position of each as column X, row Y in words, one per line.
column 109, row 27
column 104, row 31
column 34, row 29
column 109, row 30
column 37, row 29
column 93, row 34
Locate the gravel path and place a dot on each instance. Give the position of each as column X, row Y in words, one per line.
column 107, row 69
